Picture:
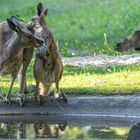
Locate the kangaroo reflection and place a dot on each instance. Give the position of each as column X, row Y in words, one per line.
column 22, row 130
column 134, row 133
column 45, row 130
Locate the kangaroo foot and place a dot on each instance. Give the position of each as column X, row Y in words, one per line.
column 61, row 96
column 7, row 100
column 21, row 99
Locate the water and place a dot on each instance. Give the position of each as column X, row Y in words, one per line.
column 14, row 130
column 42, row 127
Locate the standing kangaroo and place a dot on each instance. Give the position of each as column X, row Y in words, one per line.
column 48, row 67
column 14, row 37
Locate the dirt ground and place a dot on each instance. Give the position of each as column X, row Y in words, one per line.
column 102, row 59
column 121, row 106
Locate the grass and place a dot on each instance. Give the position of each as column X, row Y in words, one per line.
column 79, row 27
column 81, row 24
column 101, row 80
column 111, row 80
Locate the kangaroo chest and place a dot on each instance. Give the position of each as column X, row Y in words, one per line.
column 49, row 70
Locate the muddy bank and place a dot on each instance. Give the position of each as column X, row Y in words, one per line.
column 104, row 106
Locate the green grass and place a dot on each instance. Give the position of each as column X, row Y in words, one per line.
column 111, row 80
column 102, row 80
column 79, row 25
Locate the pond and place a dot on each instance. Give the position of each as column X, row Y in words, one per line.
column 69, row 127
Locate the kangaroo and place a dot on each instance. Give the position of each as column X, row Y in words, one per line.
column 14, row 37
column 131, row 42
column 48, row 66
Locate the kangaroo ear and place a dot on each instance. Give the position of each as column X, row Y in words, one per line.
column 15, row 21
column 39, row 8
column 11, row 25
column 18, row 24
column 44, row 13
column 42, row 19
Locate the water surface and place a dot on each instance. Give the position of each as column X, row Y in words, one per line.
column 72, row 128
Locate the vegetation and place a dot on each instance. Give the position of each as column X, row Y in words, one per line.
column 70, row 132
column 81, row 24
column 100, row 132
column 80, row 27
column 92, row 80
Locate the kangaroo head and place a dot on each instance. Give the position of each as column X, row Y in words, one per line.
column 39, row 27
column 131, row 42
column 38, row 21
column 27, row 39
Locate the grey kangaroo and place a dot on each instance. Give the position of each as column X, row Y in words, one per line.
column 14, row 37
column 48, row 67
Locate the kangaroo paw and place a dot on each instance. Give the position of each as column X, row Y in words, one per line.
column 61, row 96
column 7, row 100
column 21, row 100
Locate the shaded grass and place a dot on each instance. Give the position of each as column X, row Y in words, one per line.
column 111, row 80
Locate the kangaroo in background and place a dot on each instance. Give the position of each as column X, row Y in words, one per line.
column 14, row 37
column 48, row 67
column 131, row 42
column 26, row 58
